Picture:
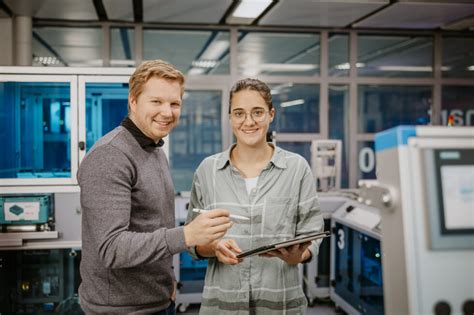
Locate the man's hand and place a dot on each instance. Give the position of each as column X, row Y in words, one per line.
column 225, row 252
column 207, row 227
column 293, row 254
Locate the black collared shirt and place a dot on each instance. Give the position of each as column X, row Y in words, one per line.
column 141, row 138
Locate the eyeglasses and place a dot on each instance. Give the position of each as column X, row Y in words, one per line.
column 257, row 115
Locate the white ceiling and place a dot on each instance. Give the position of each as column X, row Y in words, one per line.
column 402, row 14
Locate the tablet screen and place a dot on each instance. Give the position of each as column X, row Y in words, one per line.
column 297, row 240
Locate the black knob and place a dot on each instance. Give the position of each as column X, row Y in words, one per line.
column 349, row 209
column 468, row 307
column 82, row 145
column 442, row 308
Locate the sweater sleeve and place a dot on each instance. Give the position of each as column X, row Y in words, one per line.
column 106, row 179
column 194, row 202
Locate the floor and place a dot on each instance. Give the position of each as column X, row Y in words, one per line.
column 317, row 309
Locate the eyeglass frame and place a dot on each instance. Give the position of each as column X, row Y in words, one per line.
column 249, row 114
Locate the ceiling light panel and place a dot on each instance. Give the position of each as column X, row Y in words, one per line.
column 184, row 11
column 247, row 11
column 335, row 13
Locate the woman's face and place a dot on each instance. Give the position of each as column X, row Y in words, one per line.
column 250, row 118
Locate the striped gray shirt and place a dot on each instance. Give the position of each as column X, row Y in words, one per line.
column 282, row 205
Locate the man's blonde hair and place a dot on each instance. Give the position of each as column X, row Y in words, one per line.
column 153, row 68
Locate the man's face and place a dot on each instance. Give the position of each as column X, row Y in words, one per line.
column 157, row 109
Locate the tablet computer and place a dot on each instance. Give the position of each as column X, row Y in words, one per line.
column 297, row 240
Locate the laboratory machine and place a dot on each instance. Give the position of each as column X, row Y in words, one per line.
column 40, row 252
column 356, row 260
column 316, row 273
column 326, row 163
column 190, row 273
column 425, row 193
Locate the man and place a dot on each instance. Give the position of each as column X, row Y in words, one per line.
column 127, row 196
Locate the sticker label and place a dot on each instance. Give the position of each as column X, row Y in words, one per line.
column 16, row 211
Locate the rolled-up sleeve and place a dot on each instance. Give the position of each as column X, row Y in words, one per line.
column 309, row 218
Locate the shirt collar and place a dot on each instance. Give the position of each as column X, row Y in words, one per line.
column 278, row 157
column 141, row 138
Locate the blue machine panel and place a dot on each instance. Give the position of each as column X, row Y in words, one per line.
column 192, row 273
column 36, row 130
column 358, row 270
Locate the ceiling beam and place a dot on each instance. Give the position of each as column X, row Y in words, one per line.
column 229, row 11
column 5, row 8
column 353, row 24
column 138, row 11
column 100, row 10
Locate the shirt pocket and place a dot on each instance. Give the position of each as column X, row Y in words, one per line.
column 279, row 216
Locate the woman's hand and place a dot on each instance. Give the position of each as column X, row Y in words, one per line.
column 225, row 252
column 293, row 254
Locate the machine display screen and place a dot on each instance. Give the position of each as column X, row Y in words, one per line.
column 456, row 190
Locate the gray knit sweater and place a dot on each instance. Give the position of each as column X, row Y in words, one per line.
column 128, row 227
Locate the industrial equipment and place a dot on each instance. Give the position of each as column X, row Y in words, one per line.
column 425, row 193
column 26, row 217
column 317, row 271
column 189, row 273
column 46, row 283
column 356, row 259
column 326, row 163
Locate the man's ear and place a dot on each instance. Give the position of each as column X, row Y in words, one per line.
column 132, row 103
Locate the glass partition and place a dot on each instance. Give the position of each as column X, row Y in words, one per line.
column 339, row 124
column 192, row 52
column 338, row 55
column 395, row 56
column 198, row 135
column 270, row 53
column 297, row 108
column 458, row 101
column 106, row 107
column 36, row 120
column 458, row 57
column 67, row 46
column 302, row 148
column 122, row 50
column 383, row 107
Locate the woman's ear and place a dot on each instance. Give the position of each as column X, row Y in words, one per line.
column 272, row 114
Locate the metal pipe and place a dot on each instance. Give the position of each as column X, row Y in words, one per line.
column 24, row 228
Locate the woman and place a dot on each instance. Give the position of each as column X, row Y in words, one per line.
column 275, row 189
